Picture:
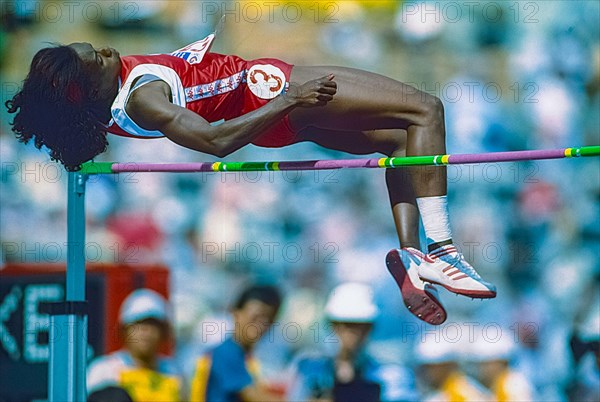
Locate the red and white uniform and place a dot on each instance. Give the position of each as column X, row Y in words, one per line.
column 216, row 87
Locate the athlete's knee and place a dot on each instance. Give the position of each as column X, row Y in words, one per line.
column 432, row 110
column 424, row 110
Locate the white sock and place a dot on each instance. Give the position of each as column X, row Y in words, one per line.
column 434, row 213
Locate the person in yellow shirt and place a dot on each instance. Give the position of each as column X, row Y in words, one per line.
column 138, row 368
column 444, row 380
column 492, row 358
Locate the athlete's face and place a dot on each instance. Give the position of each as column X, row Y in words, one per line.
column 103, row 65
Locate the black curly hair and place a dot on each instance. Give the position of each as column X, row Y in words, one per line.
column 264, row 293
column 54, row 108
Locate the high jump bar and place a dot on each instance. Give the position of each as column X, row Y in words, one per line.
column 91, row 168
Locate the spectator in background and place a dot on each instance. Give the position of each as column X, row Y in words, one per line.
column 350, row 373
column 229, row 373
column 495, row 372
column 585, row 349
column 139, row 368
column 443, row 379
column 109, row 394
column 586, row 386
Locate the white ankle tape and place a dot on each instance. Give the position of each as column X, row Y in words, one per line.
column 434, row 213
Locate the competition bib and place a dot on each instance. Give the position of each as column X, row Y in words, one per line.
column 194, row 52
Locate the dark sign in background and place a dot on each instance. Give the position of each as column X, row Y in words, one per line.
column 24, row 328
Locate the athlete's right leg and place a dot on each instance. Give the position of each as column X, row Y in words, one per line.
column 420, row 298
column 371, row 102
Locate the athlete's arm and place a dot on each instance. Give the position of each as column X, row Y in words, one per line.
column 150, row 107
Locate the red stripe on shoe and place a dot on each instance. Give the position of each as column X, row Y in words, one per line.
column 415, row 252
column 453, row 272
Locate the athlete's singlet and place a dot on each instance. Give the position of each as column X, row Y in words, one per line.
column 216, row 87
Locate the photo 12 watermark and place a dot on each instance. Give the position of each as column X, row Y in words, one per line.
column 269, row 252
column 476, row 91
column 54, row 12
column 57, row 252
column 452, row 12
column 270, row 11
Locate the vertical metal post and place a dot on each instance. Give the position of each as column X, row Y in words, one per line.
column 68, row 320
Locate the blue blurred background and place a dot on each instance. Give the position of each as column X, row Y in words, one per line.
column 512, row 75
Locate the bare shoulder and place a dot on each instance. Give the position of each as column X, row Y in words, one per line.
column 150, row 105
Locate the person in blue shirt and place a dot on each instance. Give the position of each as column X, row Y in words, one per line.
column 229, row 373
column 350, row 373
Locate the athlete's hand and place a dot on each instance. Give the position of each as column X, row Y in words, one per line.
column 313, row 93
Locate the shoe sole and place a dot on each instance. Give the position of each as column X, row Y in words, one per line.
column 421, row 303
column 475, row 294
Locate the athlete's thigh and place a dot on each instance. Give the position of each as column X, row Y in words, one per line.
column 364, row 101
column 391, row 142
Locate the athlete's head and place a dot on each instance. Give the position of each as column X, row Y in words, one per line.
column 65, row 101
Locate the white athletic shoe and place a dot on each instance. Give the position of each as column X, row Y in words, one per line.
column 448, row 268
column 420, row 298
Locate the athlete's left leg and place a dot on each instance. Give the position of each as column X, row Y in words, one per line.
column 370, row 102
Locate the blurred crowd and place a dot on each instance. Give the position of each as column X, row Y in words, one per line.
column 512, row 76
